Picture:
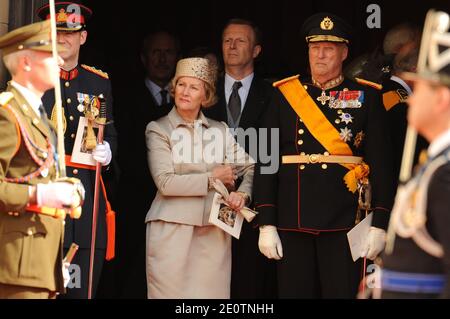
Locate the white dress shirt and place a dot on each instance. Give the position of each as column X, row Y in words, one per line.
column 155, row 90
column 243, row 90
column 31, row 98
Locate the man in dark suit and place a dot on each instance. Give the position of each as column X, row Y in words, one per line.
column 243, row 98
column 419, row 266
column 81, row 84
column 331, row 130
column 148, row 100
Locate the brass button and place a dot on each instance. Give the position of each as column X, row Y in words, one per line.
column 302, row 167
column 337, row 121
column 29, row 232
column 71, row 118
column 300, row 142
column 35, row 121
column 72, row 135
column 324, row 166
column 305, row 86
column 67, row 84
column 301, row 131
column 75, row 171
column 301, row 120
column 326, row 153
column 339, row 111
column 68, row 101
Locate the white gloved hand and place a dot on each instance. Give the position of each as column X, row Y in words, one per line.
column 66, row 274
column 374, row 243
column 57, row 195
column 269, row 242
column 102, row 153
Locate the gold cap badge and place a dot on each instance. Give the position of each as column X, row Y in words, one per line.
column 326, row 24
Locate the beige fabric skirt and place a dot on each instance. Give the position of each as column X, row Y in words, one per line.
column 185, row 261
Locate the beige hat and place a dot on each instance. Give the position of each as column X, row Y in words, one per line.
column 34, row 36
column 199, row 68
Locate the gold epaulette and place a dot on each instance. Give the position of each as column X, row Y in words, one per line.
column 278, row 83
column 369, row 83
column 96, row 71
column 5, row 97
column 394, row 97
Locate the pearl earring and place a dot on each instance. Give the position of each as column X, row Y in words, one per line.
column 27, row 68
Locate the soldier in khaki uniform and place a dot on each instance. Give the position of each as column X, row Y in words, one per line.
column 31, row 235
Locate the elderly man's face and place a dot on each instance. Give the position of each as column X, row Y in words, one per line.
column 72, row 41
column 325, row 58
column 44, row 72
column 161, row 58
column 238, row 46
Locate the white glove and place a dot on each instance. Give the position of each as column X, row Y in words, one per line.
column 374, row 244
column 269, row 242
column 57, row 195
column 102, row 153
column 66, row 274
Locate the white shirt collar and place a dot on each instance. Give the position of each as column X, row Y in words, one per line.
column 439, row 144
column 31, row 98
column 246, row 83
column 402, row 83
column 155, row 89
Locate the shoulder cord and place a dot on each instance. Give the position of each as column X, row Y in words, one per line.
column 29, row 144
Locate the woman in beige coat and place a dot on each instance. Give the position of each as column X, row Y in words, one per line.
column 186, row 256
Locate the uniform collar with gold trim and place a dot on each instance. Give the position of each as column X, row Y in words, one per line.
column 329, row 84
column 68, row 75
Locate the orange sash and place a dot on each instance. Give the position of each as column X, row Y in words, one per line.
column 319, row 126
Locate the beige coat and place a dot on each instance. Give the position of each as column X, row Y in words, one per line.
column 183, row 196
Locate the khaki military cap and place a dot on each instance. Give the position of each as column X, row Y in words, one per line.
column 36, row 36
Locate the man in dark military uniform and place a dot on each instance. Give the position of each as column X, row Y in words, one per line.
column 331, row 134
column 419, row 266
column 31, row 229
column 81, row 86
column 396, row 91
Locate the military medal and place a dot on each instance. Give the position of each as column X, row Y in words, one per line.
column 323, row 98
column 346, row 99
column 346, row 134
column 358, row 139
column 346, row 118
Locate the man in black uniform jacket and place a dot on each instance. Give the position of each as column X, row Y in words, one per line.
column 419, row 266
column 331, row 130
column 81, row 83
column 252, row 275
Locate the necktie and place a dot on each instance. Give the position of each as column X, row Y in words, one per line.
column 44, row 119
column 234, row 104
column 164, row 100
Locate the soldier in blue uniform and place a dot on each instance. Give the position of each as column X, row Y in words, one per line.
column 331, row 140
column 419, row 266
column 82, row 84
